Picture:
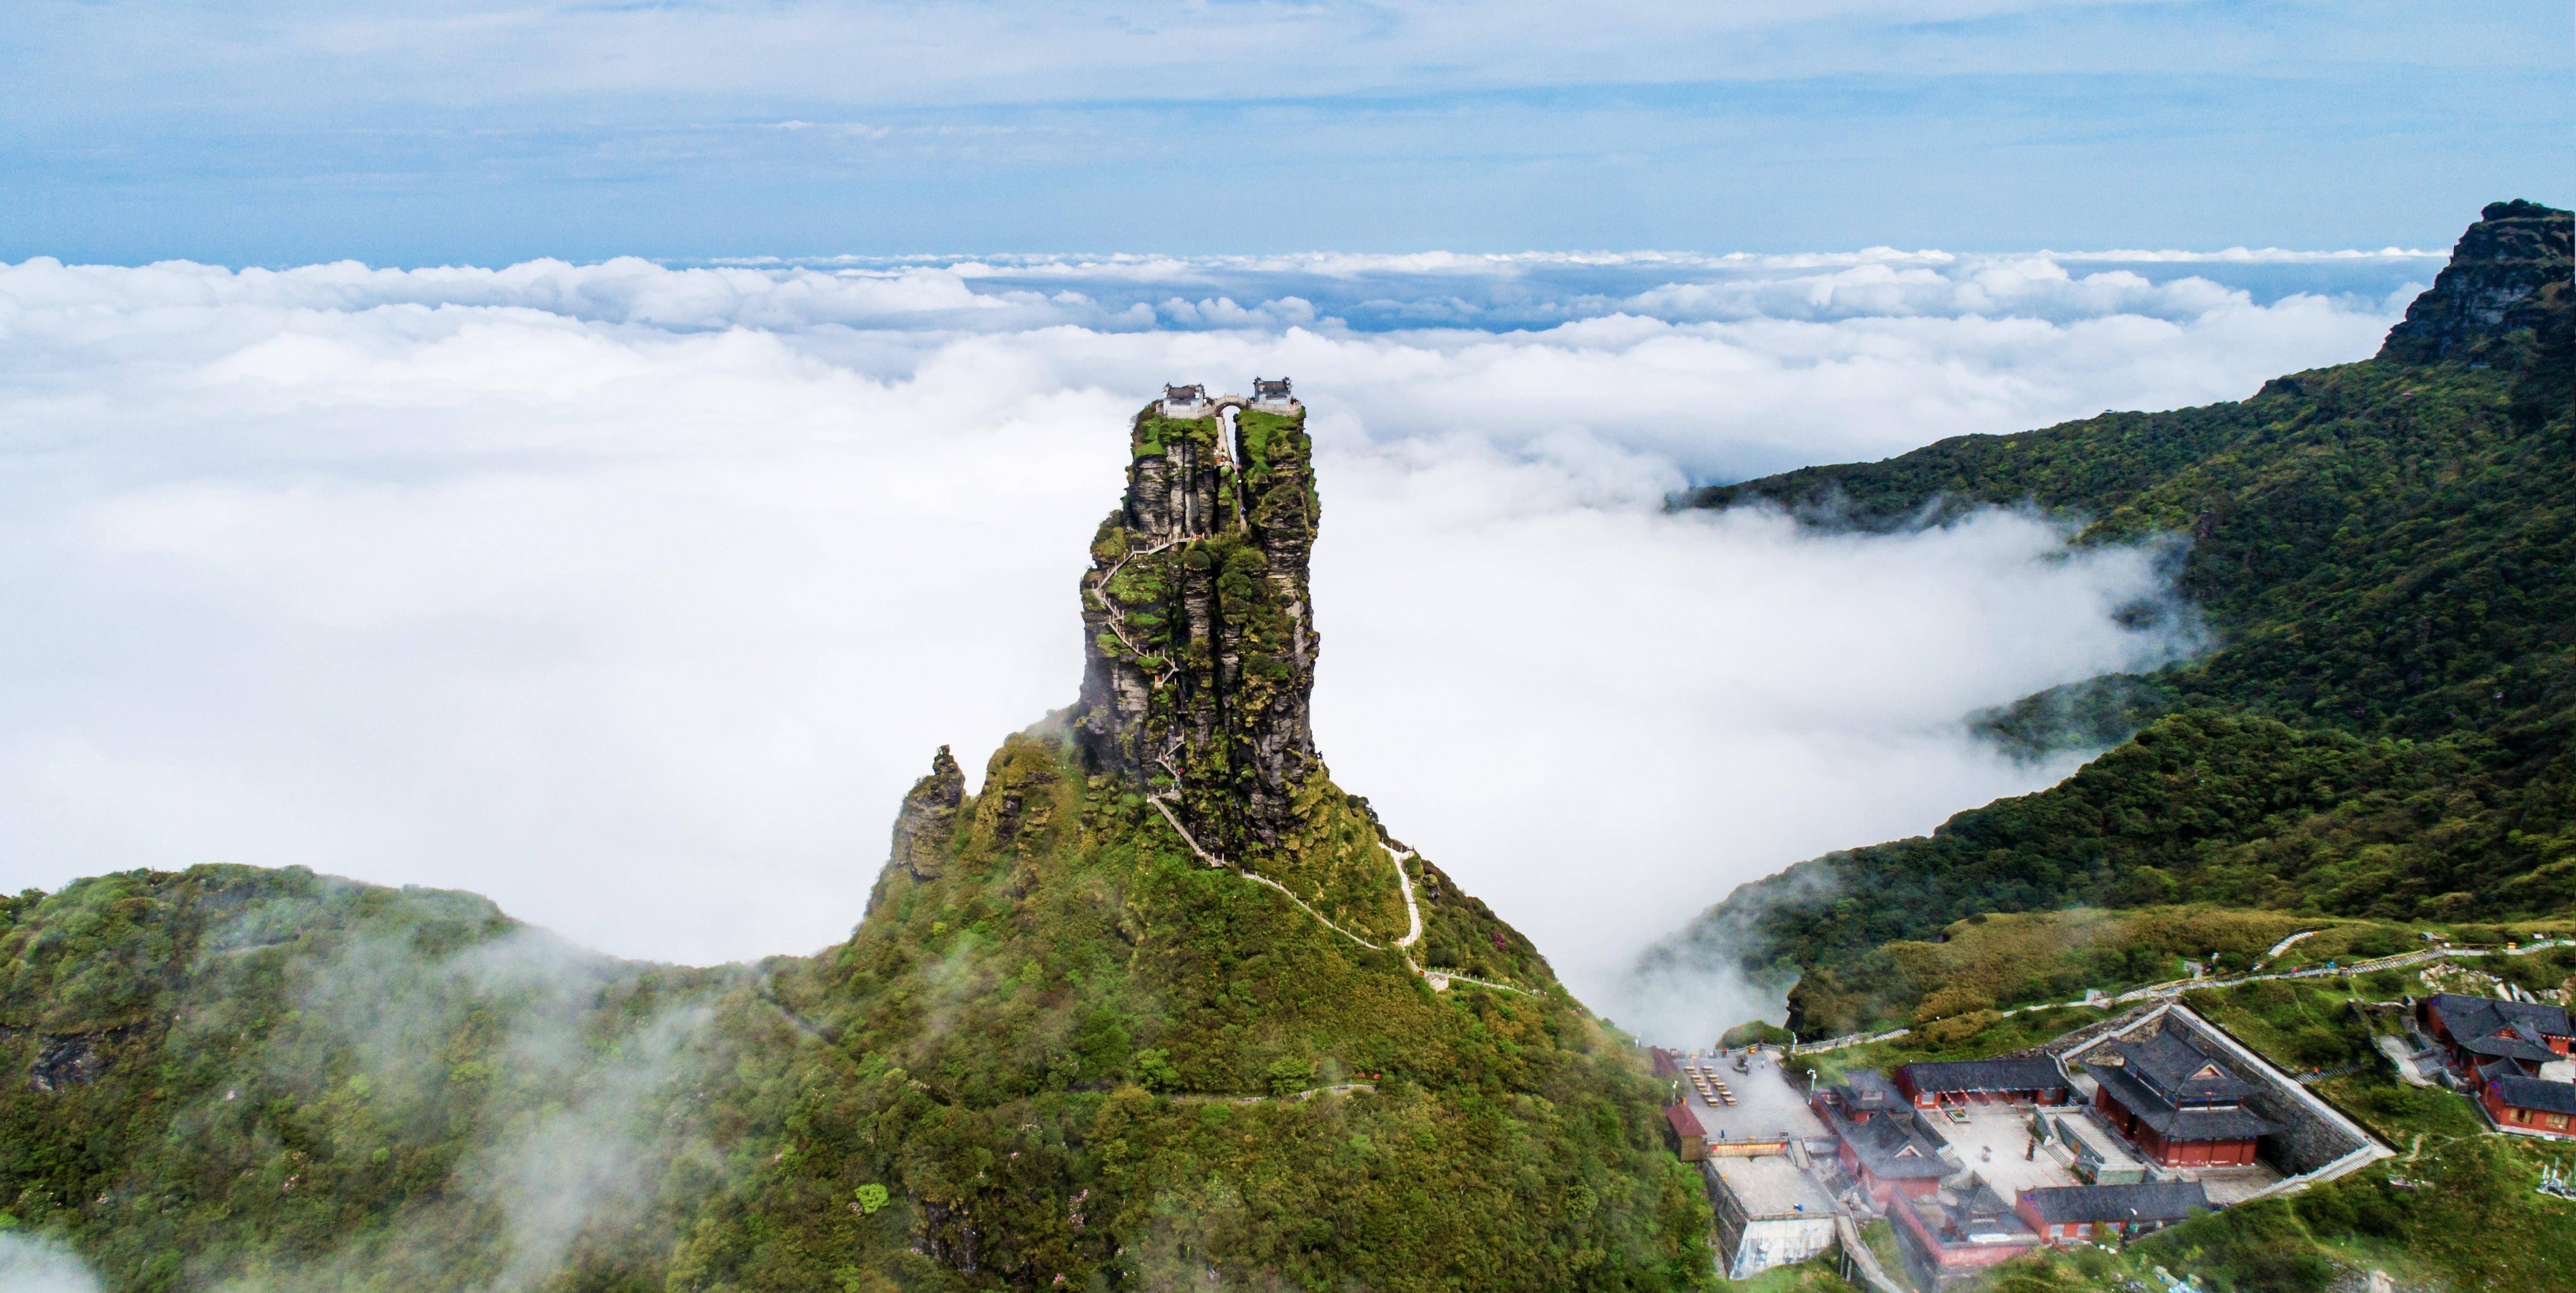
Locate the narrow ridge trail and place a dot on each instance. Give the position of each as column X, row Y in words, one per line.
column 1438, row 979
column 1115, row 618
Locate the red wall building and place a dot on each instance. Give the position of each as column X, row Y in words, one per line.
column 2178, row 1104
column 1949, row 1239
column 2027, row 1080
column 2521, row 1103
column 2065, row 1214
column 1881, row 1143
column 2476, row 1031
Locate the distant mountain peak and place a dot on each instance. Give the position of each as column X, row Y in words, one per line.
column 2508, row 271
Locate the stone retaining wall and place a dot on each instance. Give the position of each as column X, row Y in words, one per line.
column 2314, row 1136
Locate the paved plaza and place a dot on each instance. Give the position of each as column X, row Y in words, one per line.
column 1994, row 1141
column 1767, row 1107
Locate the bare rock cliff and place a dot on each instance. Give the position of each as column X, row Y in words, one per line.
column 921, row 829
column 2507, row 274
column 1199, row 635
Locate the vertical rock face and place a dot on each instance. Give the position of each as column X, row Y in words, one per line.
column 1199, row 636
column 921, row 828
column 2509, row 270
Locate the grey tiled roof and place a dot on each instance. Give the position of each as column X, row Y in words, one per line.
column 2178, row 1070
column 1894, row 1146
column 2149, row 1201
column 2031, row 1073
column 1869, row 1090
column 2180, row 1124
column 2534, row 1093
column 2512, row 1048
column 2466, row 1016
column 1979, row 1202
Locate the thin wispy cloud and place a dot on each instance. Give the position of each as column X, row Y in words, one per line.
column 499, row 130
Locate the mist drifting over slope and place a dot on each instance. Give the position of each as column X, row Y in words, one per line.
column 633, row 596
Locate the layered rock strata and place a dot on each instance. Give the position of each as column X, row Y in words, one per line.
column 2507, row 272
column 921, row 829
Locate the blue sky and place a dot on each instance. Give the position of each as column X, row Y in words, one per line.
column 489, row 131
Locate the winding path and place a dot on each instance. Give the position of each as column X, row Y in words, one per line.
column 2177, row 987
column 1338, row 1088
column 1116, row 619
column 1438, row 979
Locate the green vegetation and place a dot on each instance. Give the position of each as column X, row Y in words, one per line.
column 1061, row 1050
column 304, row 1077
column 2383, row 552
column 1805, row 1277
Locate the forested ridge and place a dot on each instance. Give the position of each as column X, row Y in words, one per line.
column 2385, row 554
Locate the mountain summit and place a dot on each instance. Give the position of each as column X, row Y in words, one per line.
column 2387, row 729
column 1200, row 637
column 2507, row 274
column 1155, row 1006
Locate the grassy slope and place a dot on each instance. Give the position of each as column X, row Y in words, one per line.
column 2385, row 551
column 327, row 1084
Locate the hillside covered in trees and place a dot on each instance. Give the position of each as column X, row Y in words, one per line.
column 1158, row 1007
column 2385, row 552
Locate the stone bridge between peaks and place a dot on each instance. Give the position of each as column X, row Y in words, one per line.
column 1268, row 396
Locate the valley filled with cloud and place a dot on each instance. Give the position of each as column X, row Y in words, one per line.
column 634, row 595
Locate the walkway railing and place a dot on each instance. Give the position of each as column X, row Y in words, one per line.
column 2177, row 987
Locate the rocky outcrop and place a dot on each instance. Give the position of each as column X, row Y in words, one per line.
column 1200, row 640
column 1018, row 801
column 67, row 1059
column 922, row 828
column 2508, row 273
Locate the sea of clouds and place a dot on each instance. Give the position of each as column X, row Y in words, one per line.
column 634, row 595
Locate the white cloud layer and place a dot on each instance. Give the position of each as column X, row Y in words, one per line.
column 634, row 597
column 32, row 1264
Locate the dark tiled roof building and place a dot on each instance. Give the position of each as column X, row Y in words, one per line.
column 2085, row 1211
column 1880, row 1142
column 1866, row 1092
column 2177, row 1103
column 1954, row 1234
column 2478, row 1029
column 2030, row 1080
column 2528, row 1104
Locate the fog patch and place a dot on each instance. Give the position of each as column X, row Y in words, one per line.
column 1604, row 718
column 36, row 1264
column 563, row 1082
